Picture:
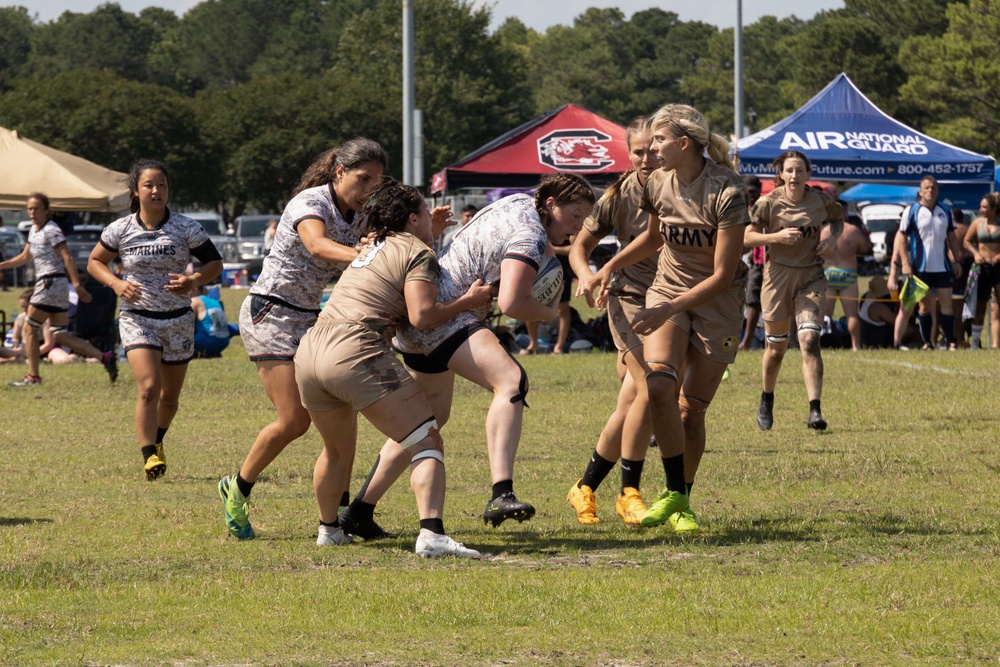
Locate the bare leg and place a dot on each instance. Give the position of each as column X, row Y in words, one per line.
column 849, row 303
column 774, row 353
column 278, row 378
column 812, row 364
column 147, row 370
column 565, row 320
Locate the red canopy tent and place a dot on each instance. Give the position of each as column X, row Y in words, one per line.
column 569, row 138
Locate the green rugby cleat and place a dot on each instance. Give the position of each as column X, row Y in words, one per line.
column 685, row 522
column 665, row 504
column 236, row 508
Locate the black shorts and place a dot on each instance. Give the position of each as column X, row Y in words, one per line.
column 437, row 361
column 938, row 279
column 989, row 277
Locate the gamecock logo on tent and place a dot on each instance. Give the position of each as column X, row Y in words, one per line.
column 575, row 150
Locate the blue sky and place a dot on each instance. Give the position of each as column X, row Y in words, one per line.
column 534, row 13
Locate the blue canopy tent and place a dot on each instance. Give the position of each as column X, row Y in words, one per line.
column 847, row 138
column 965, row 196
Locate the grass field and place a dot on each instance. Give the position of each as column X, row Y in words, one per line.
column 874, row 543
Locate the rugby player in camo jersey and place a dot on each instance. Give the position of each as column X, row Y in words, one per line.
column 156, row 322
column 55, row 270
column 317, row 237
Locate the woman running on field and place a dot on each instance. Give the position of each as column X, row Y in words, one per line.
column 346, row 365
column 504, row 245
column 315, row 240
column 156, row 322
column 626, row 434
column 788, row 220
column 694, row 308
column 55, row 271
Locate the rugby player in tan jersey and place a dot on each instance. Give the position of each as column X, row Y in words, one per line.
column 345, row 364
column 626, row 434
column 789, row 220
column 694, row 308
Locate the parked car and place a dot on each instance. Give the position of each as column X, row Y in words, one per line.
column 13, row 243
column 81, row 242
column 882, row 222
column 250, row 240
column 215, row 227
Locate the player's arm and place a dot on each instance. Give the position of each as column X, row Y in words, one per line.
column 312, row 231
column 971, row 241
column 97, row 267
column 424, row 310
column 74, row 276
column 514, row 298
column 579, row 260
column 20, row 259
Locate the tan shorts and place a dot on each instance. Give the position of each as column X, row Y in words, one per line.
column 172, row 336
column 789, row 292
column 713, row 327
column 345, row 363
column 622, row 310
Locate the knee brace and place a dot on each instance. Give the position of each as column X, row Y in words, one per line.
column 773, row 339
column 811, row 326
column 417, row 435
column 522, row 386
column 33, row 323
column 684, row 404
column 427, row 454
column 660, row 369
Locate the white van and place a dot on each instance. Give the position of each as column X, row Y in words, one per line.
column 882, row 222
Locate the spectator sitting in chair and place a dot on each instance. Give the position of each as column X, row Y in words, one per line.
column 211, row 330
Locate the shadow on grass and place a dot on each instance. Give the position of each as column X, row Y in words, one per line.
column 21, row 521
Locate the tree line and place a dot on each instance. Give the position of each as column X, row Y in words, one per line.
column 238, row 96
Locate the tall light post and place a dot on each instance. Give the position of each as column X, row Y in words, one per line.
column 738, row 73
column 409, row 92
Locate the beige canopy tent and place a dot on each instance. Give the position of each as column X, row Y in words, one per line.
column 71, row 183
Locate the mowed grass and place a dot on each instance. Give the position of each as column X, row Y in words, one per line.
column 874, row 543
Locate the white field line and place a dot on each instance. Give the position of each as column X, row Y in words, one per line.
column 936, row 369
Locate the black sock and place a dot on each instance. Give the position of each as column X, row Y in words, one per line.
column 244, row 486
column 688, row 486
column 147, row 451
column 502, row 487
column 360, row 510
column 596, row 471
column 814, row 405
column 924, row 324
column 674, row 469
column 433, row 525
column 948, row 327
column 767, row 397
column 160, row 432
column 631, row 473
column 345, row 499
column 335, row 524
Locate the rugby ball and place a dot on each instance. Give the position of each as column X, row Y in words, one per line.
column 548, row 283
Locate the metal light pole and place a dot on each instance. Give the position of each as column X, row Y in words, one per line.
column 738, row 73
column 408, row 92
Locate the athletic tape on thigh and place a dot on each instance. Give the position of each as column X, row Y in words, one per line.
column 59, row 328
column 522, row 387
column 669, row 373
column 33, row 323
column 810, row 326
column 428, row 454
column 419, row 433
column 776, row 340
